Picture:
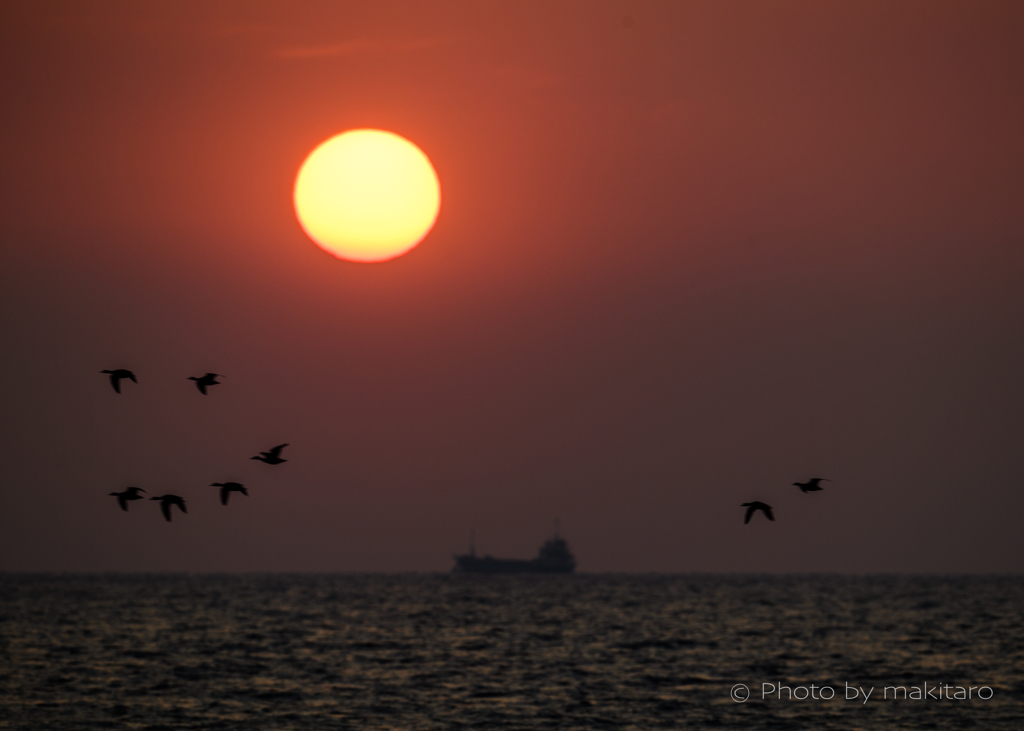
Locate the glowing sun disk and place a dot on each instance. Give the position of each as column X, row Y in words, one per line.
column 367, row 195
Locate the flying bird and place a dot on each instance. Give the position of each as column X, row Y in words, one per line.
column 210, row 379
column 226, row 488
column 117, row 374
column 273, row 456
column 812, row 485
column 166, row 501
column 129, row 493
column 754, row 507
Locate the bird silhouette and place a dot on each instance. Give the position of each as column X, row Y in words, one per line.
column 273, row 456
column 226, row 488
column 812, row 485
column 754, row 507
column 117, row 374
column 129, row 493
column 210, row 379
column 166, row 501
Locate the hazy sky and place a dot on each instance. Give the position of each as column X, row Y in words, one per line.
column 688, row 253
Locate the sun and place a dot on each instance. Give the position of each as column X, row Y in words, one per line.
column 367, row 195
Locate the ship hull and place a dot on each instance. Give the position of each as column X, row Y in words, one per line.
column 488, row 565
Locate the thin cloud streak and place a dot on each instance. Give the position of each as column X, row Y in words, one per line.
column 364, row 45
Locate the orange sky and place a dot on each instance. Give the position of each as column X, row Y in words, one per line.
column 688, row 253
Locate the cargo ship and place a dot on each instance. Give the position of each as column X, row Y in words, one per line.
column 554, row 557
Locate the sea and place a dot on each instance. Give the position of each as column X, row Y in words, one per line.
column 445, row 651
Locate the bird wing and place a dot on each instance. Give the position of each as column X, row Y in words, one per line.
column 750, row 511
column 224, row 494
column 165, row 508
column 276, row 451
column 115, row 381
column 181, row 504
column 768, row 511
column 201, row 386
column 242, row 489
column 132, row 376
column 122, row 502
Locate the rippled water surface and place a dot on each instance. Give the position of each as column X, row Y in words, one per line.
column 450, row 652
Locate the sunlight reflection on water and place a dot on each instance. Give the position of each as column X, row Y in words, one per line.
column 440, row 652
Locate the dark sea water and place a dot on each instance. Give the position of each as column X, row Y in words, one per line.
column 450, row 652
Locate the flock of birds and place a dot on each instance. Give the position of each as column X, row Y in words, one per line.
column 271, row 456
column 812, row 485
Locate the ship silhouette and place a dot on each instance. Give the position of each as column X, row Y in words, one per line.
column 554, row 557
